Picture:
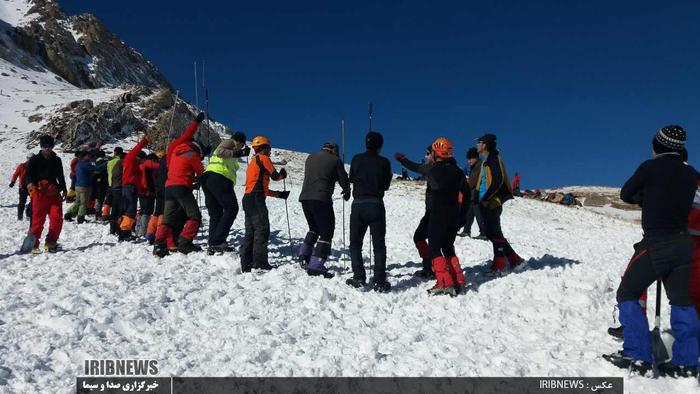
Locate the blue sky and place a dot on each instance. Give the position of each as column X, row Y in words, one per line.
column 575, row 90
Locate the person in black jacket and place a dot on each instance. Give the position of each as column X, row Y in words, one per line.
column 420, row 235
column 665, row 188
column 47, row 187
column 494, row 189
column 371, row 176
column 473, row 207
column 321, row 172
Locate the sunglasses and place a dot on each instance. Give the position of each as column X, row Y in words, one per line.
column 46, row 146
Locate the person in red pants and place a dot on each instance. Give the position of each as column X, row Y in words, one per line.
column 47, row 187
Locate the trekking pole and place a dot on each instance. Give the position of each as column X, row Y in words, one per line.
column 196, row 87
column 342, row 141
column 289, row 228
column 172, row 117
column 371, row 262
column 660, row 354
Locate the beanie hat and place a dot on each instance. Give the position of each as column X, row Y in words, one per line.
column 472, row 153
column 239, row 137
column 669, row 139
column 118, row 151
column 374, row 140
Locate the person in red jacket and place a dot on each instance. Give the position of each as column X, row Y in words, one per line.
column 146, row 190
column 19, row 174
column 46, row 185
column 131, row 179
column 184, row 166
column 516, row 185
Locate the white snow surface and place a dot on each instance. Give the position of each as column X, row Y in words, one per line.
column 14, row 12
column 200, row 316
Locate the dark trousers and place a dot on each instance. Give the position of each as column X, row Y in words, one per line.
column 159, row 203
column 363, row 215
column 420, row 239
column 442, row 231
column 129, row 202
column 222, row 205
column 667, row 258
column 181, row 198
column 22, row 203
column 257, row 232
column 321, row 220
column 492, row 222
column 474, row 212
column 116, row 196
column 147, row 204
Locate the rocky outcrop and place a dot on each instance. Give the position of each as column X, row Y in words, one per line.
column 81, row 50
column 138, row 111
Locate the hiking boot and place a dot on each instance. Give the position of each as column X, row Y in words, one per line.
column 51, row 247
column 67, row 217
column 442, row 291
column 621, row 360
column 125, row 236
column 382, row 287
column 81, row 219
column 424, row 274
column 19, row 217
column 36, row 251
column 616, row 332
column 150, row 238
column 113, row 228
column 263, row 266
column 160, row 250
column 464, row 234
column 220, row 248
column 515, row 261
column 356, row 282
column 677, row 371
column 185, row 246
column 481, row 237
column 317, row 268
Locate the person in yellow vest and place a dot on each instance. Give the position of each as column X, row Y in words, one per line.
column 218, row 182
column 111, row 209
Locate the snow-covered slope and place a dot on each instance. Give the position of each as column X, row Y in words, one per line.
column 198, row 315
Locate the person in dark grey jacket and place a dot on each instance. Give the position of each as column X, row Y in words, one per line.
column 321, row 171
column 371, row 176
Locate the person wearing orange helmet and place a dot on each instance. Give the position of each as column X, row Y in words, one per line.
column 494, row 190
column 257, row 223
column 446, row 181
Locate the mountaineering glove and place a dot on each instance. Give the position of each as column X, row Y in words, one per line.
column 12, row 184
column 283, row 195
column 200, row 117
column 346, row 194
column 399, row 156
column 283, row 173
column 245, row 151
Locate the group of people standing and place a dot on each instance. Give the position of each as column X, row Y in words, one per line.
column 155, row 192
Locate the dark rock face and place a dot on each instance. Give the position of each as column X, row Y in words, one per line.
column 138, row 111
column 97, row 58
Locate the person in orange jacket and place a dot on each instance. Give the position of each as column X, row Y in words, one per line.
column 257, row 223
column 184, row 168
column 131, row 179
column 19, row 175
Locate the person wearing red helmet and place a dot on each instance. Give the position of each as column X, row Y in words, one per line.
column 446, row 181
column 494, row 189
